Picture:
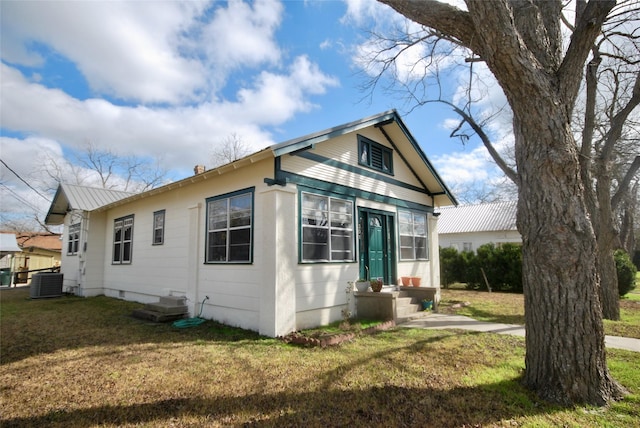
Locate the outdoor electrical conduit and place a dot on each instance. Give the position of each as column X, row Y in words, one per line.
column 192, row 322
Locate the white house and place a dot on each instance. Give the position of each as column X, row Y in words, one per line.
column 467, row 227
column 273, row 238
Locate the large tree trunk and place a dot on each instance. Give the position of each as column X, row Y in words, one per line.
column 520, row 43
column 565, row 359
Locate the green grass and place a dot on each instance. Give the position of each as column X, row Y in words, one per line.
column 74, row 362
column 509, row 308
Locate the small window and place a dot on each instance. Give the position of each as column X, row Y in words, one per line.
column 413, row 235
column 374, row 155
column 230, row 228
column 158, row 227
column 327, row 229
column 74, row 239
column 467, row 246
column 122, row 240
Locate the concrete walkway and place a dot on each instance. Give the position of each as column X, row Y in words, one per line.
column 445, row 321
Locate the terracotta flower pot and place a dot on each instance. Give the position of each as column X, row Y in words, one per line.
column 406, row 281
column 415, row 280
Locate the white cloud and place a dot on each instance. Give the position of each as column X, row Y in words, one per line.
column 126, row 49
column 242, row 35
column 176, row 53
column 463, row 167
column 158, row 132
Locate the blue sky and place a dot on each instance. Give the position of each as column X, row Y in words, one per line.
column 172, row 80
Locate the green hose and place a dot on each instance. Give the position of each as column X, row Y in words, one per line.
column 192, row 322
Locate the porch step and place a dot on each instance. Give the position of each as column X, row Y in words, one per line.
column 412, row 317
column 154, row 316
column 407, row 308
column 173, row 300
column 169, row 308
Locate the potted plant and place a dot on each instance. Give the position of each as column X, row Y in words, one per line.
column 427, row 304
column 362, row 285
column 376, row 285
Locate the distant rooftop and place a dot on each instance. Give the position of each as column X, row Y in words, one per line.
column 478, row 218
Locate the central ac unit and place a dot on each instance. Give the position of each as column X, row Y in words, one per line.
column 46, row 285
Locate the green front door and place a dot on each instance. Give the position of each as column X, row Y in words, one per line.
column 376, row 245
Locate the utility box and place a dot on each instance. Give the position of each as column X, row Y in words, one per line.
column 46, row 285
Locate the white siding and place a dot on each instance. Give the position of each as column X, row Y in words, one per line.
column 345, row 149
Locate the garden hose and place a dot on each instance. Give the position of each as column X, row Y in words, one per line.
column 192, row 322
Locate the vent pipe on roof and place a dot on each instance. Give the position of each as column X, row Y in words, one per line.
column 198, row 169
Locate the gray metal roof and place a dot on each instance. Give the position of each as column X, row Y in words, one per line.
column 8, row 243
column 478, row 218
column 74, row 197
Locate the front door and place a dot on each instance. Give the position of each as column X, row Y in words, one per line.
column 376, row 257
column 376, row 245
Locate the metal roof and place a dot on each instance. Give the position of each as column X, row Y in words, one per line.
column 478, row 218
column 86, row 198
column 74, row 197
column 8, row 243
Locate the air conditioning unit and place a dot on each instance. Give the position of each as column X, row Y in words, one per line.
column 46, row 285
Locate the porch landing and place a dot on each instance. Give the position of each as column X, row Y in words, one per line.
column 401, row 304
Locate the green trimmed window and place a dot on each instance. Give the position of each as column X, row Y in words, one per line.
column 230, row 228
column 413, row 235
column 374, row 155
column 327, row 229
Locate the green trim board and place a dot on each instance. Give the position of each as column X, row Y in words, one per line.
column 339, row 189
column 413, row 171
column 421, row 153
column 318, row 137
column 361, row 171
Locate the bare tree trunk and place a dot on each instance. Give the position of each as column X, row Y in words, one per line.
column 627, row 227
column 608, row 241
column 565, row 359
column 520, row 43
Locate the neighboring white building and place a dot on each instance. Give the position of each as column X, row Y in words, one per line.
column 467, row 227
column 273, row 238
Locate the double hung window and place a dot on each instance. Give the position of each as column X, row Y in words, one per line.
column 122, row 240
column 74, row 239
column 158, row 227
column 230, row 228
column 413, row 235
column 327, row 229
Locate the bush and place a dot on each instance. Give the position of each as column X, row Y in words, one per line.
column 626, row 271
column 501, row 264
column 449, row 266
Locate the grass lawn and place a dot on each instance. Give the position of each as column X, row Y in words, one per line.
column 76, row 362
column 509, row 308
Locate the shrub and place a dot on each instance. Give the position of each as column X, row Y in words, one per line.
column 449, row 265
column 626, row 271
column 501, row 264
